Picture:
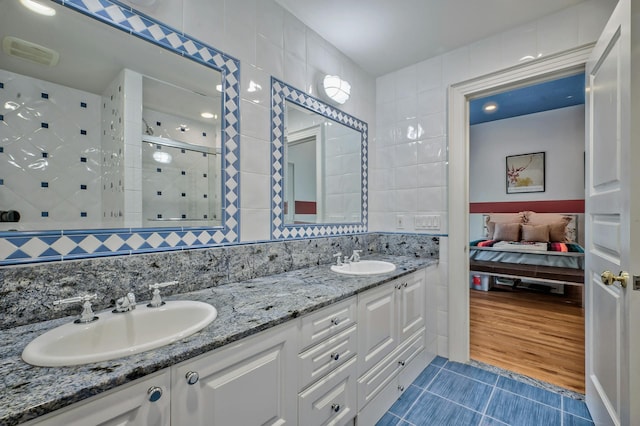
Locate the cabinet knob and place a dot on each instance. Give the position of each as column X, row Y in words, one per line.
column 406, row 285
column 401, row 388
column 335, row 407
column 335, row 321
column 192, row 377
column 401, row 363
column 335, row 356
column 154, row 393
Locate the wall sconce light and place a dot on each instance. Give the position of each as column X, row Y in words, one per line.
column 336, row 89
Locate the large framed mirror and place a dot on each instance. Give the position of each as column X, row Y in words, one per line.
column 319, row 167
column 118, row 135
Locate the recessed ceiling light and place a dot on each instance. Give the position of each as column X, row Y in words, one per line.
column 207, row 115
column 490, row 107
column 39, row 8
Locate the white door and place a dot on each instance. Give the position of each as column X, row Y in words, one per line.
column 612, row 227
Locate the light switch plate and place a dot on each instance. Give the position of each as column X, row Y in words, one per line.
column 427, row 222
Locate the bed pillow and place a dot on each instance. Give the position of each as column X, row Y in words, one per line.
column 536, row 233
column 506, row 232
column 558, row 232
column 494, row 218
column 557, row 224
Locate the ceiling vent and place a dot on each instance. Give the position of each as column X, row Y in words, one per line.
column 23, row 49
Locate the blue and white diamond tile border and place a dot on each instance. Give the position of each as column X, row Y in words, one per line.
column 281, row 92
column 31, row 247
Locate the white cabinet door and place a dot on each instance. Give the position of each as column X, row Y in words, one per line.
column 411, row 305
column 127, row 405
column 388, row 316
column 251, row 382
column 378, row 325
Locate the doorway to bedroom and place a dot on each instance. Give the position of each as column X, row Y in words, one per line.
column 526, row 210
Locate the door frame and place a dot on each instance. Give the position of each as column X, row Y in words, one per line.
column 459, row 94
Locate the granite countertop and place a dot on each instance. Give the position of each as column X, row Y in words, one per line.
column 29, row 391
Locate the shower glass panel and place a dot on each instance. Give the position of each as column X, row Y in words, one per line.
column 178, row 188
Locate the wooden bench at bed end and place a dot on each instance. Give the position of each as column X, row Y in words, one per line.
column 535, row 272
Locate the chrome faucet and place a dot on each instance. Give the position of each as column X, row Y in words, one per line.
column 87, row 314
column 156, row 300
column 126, row 303
column 355, row 256
column 338, row 255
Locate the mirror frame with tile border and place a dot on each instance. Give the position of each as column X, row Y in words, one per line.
column 58, row 245
column 281, row 93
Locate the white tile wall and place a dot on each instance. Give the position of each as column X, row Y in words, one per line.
column 393, row 155
column 51, row 154
column 112, row 160
column 132, row 89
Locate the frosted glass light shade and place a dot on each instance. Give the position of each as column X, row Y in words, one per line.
column 336, row 88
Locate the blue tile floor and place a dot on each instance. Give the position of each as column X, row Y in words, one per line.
column 452, row 394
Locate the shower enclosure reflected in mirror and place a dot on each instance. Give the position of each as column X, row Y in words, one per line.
column 74, row 129
column 180, row 156
column 319, row 167
column 115, row 122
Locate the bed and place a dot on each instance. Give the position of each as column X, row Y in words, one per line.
column 528, row 245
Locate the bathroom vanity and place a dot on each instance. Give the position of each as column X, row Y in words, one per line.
column 303, row 347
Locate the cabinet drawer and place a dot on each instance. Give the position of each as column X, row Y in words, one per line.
column 328, row 321
column 331, row 401
column 327, row 356
column 385, row 371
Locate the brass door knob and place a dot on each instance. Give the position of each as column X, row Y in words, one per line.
column 608, row 278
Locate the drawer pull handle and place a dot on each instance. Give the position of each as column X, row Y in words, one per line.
column 192, row 377
column 335, row 407
column 335, row 356
column 401, row 388
column 154, row 393
column 335, row 321
column 401, row 363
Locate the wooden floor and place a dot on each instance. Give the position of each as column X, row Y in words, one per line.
column 537, row 335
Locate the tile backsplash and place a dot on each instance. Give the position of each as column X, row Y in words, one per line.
column 28, row 291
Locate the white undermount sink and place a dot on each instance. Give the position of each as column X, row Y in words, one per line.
column 115, row 335
column 364, row 267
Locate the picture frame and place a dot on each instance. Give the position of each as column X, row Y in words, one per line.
column 525, row 173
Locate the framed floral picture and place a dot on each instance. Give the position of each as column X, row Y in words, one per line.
column 525, row 173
